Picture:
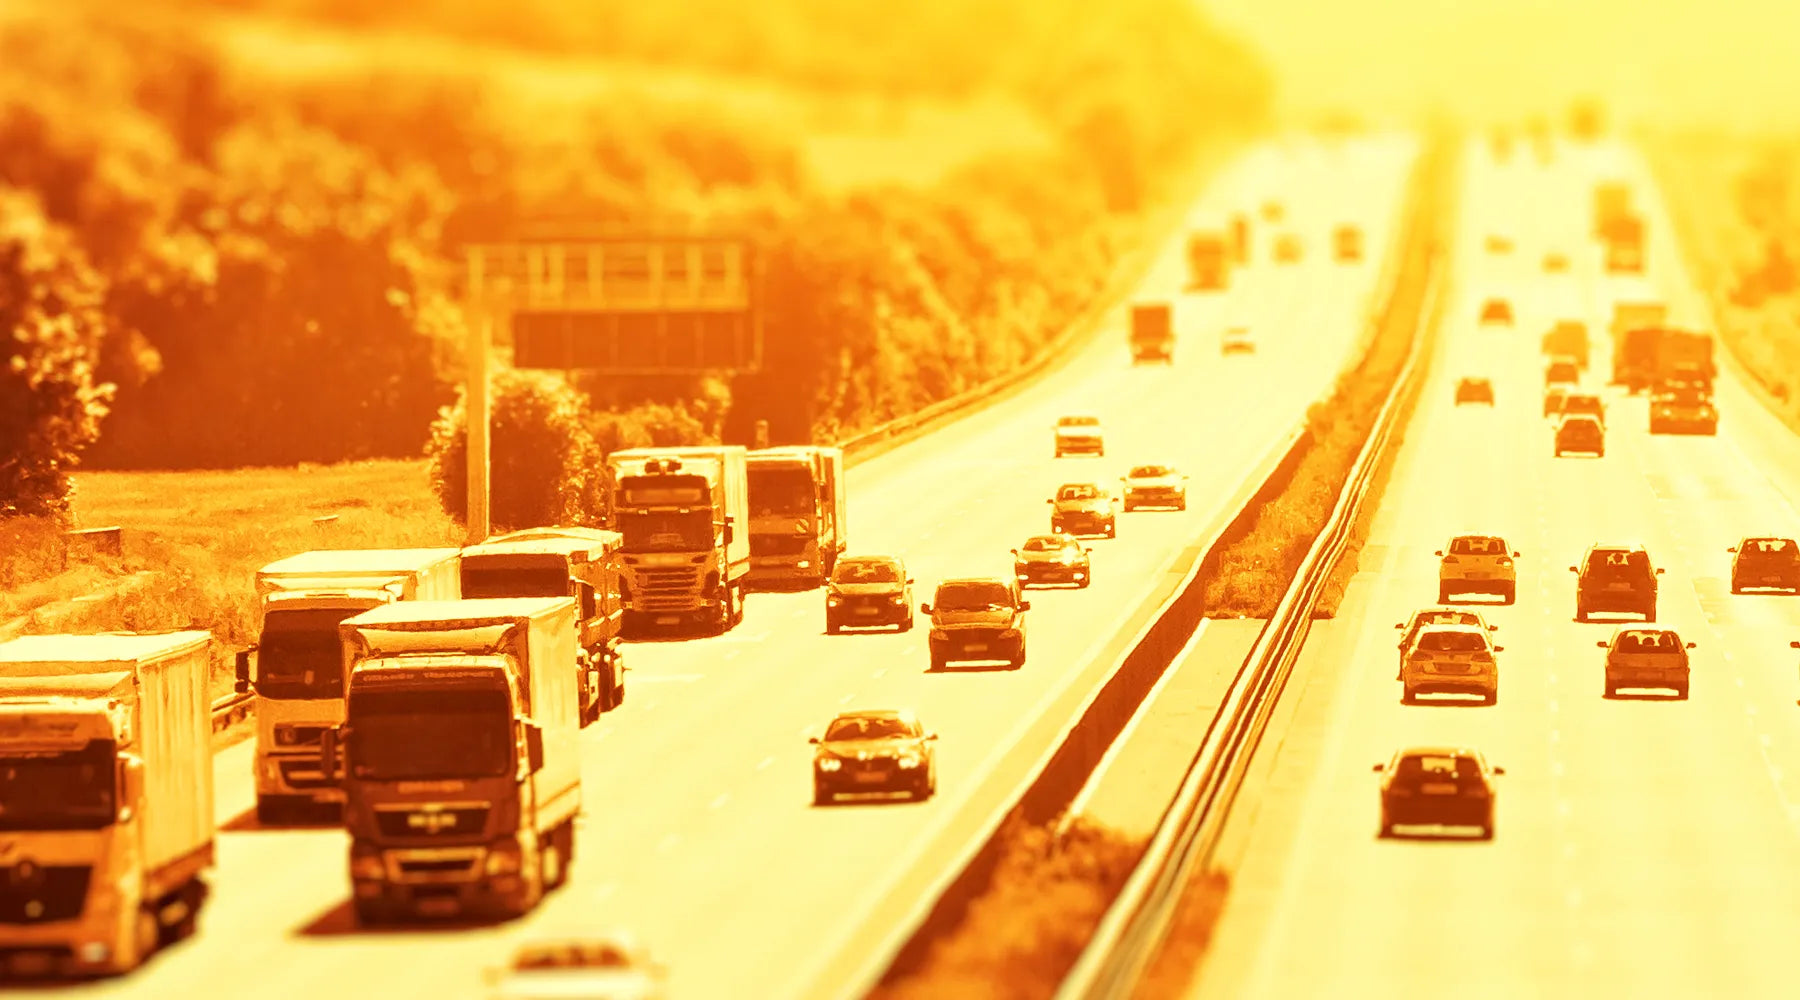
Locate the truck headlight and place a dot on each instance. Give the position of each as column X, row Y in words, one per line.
column 829, row 764
column 95, row 952
column 366, row 863
column 833, row 601
column 504, row 858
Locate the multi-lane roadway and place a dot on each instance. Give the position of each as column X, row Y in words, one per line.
column 1645, row 847
column 698, row 831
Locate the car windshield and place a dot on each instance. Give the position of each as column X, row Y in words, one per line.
column 1619, row 562
column 1078, row 422
column 1453, row 642
column 1478, row 545
column 1149, row 471
column 980, row 595
column 1646, row 641
column 571, row 956
column 1582, row 403
column 866, row 571
column 1045, row 543
column 868, row 728
column 1436, row 767
column 1581, row 424
column 1447, row 618
column 1078, row 492
column 1769, row 548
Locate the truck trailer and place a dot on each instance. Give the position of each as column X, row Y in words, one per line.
column 106, row 798
column 798, row 516
column 583, row 563
column 460, row 754
column 1209, row 260
column 299, row 680
column 684, row 515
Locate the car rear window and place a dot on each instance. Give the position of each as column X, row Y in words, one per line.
column 1478, row 545
column 978, row 595
column 1087, row 492
column 1452, row 642
column 1646, row 641
column 1618, row 562
column 1768, row 547
column 1149, row 471
column 1439, row 768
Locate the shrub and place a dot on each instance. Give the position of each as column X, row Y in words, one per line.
column 545, row 467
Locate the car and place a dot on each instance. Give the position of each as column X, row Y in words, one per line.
column 1438, row 786
column 1496, row 311
column 1688, row 410
column 1581, row 434
column 1083, row 509
column 868, row 591
column 1237, row 340
column 1451, row 659
column 1477, row 564
column 1080, row 435
column 1585, row 403
column 1562, row 371
column 977, row 619
column 870, row 751
column 1288, row 249
column 1347, row 244
column 1052, row 559
column 1154, row 486
column 1615, row 578
column 1553, row 400
column 607, row 966
column 1440, row 615
column 1473, row 389
column 1765, row 563
column 1498, row 243
column 1273, row 211
column 1640, row 658
column 1555, row 263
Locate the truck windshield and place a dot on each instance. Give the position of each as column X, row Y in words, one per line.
column 660, row 531
column 300, row 655
column 779, row 491
column 430, row 733
column 480, row 581
column 58, row 790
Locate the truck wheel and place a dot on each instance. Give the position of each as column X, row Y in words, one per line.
column 737, row 605
column 141, row 944
column 371, row 912
column 553, row 860
column 190, row 898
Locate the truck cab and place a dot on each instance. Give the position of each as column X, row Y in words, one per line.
column 684, row 516
column 1152, row 333
column 798, row 515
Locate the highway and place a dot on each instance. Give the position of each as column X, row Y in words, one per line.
column 699, row 834
column 1645, row 847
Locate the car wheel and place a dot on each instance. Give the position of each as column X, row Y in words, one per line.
column 1510, row 594
column 1611, row 691
column 1443, row 595
column 1581, row 613
column 906, row 624
column 832, row 628
column 1487, row 831
column 1084, row 582
column 1736, row 587
column 1129, row 506
column 1681, row 692
column 1016, row 662
column 938, row 662
column 1492, row 698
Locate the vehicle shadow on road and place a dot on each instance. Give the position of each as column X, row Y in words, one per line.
column 972, row 668
column 340, row 921
column 1447, row 701
column 246, row 822
column 1642, row 696
column 1453, row 835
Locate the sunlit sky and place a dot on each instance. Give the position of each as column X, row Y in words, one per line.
column 1725, row 62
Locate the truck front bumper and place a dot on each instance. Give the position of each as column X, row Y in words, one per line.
column 296, row 778
column 436, row 882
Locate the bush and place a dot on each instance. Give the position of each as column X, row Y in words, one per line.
column 50, row 404
column 545, row 468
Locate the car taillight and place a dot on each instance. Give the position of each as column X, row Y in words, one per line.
column 1506, row 560
column 1483, row 657
column 1419, row 656
column 1449, row 559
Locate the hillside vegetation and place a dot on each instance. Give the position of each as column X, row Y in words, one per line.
column 230, row 240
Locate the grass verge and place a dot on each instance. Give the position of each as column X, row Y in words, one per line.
column 1029, row 922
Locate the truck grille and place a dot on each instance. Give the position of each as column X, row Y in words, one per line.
column 674, row 588
column 414, row 821
column 435, row 866
column 32, row 894
column 777, row 545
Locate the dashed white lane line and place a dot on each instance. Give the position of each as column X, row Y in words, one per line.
column 603, row 893
column 763, row 765
column 881, row 673
column 845, row 700
column 731, row 653
column 668, row 843
column 719, row 803
column 1573, row 898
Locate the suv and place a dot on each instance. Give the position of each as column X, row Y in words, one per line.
column 1758, row 563
column 1410, row 630
column 1052, row 559
column 1646, row 658
column 977, row 619
column 1079, row 435
column 868, row 590
column 1581, row 433
column 1496, row 311
column 1473, row 389
column 1451, row 659
column 1439, row 786
column 1083, row 509
column 1476, row 564
column 1617, row 579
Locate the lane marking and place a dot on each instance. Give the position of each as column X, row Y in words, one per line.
column 763, row 765
column 719, row 803
column 668, row 843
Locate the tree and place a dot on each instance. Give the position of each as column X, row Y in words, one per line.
column 50, row 329
column 545, row 467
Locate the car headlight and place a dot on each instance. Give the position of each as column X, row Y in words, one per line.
column 898, row 599
column 504, row 858
column 829, row 764
column 833, row 601
column 908, row 761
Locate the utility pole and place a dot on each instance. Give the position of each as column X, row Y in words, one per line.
column 476, row 404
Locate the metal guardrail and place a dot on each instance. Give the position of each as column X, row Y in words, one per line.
column 228, row 709
column 1135, row 925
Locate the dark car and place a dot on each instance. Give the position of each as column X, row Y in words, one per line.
column 1765, row 563
column 1154, row 486
column 1471, row 389
column 977, row 619
column 1497, row 311
column 1616, row 579
column 874, row 751
column 1553, row 400
column 1083, row 509
column 1684, row 409
column 1287, row 248
column 1555, row 263
column 1438, row 786
column 1052, row 559
column 867, row 591
column 1581, row 434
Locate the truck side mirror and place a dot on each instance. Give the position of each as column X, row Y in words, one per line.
column 330, row 742
column 243, row 671
column 534, row 747
column 584, row 591
column 131, row 785
column 1024, row 605
column 925, row 609
column 728, row 531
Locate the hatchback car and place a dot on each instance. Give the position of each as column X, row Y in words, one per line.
column 1079, row 435
column 1646, row 658
column 1616, row 578
column 1496, row 311
column 1473, row 389
column 1237, row 340
column 1438, row 786
column 1154, row 486
column 977, row 619
column 612, row 966
column 1765, row 564
column 1083, row 509
column 1477, row 564
column 1581, row 434
column 1046, row 559
column 1451, row 659
column 874, row 751
column 1409, row 630
column 868, row 591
